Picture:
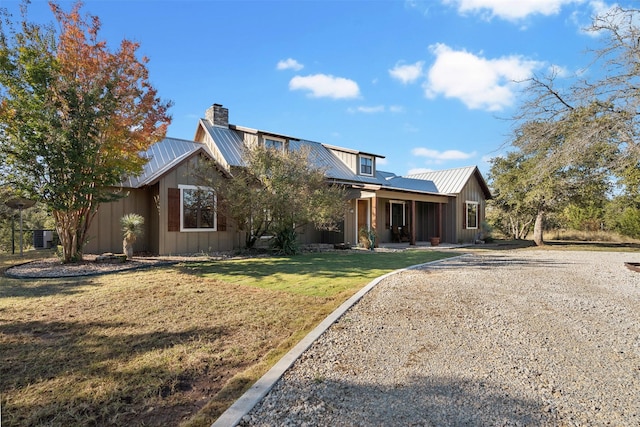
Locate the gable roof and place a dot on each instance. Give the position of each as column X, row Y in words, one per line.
column 452, row 181
column 231, row 146
column 164, row 156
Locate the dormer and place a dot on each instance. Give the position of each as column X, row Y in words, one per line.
column 366, row 164
column 273, row 142
column 360, row 163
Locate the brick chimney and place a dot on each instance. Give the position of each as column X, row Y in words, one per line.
column 218, row 115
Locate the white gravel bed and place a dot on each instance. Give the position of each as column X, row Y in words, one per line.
column 513, row 338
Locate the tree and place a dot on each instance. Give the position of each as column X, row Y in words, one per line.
column 546, row 172
column 275, row 193
column 513, row 214
column 74, row 118
column 600, row 115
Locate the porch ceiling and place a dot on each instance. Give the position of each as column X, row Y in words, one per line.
column 409, row 196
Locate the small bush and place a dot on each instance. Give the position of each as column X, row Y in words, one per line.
column 285, row 242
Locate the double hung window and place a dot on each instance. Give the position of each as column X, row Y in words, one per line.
column 366, row 165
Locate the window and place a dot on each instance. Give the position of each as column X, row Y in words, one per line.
column 197, row 208
column 275, row 144
column 472, row 214
column 366, row 165
column 398, row 214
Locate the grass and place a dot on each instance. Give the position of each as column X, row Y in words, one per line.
column 165, row 346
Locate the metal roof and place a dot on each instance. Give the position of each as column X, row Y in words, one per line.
column 418, row 185
column 452, row 181
column 228, row 141
column 163, row 156
column 334, row 168
column 168, row 153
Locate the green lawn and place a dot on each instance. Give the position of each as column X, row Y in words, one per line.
column 165, row 346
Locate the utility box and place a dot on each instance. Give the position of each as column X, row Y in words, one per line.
column 42, row 239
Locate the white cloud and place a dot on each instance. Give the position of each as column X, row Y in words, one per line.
column 289, row 64
column 396, row 108
column 478, row 82
column 326, row 86
column 511, row 10
column 381, row 161
column 367, row 110
column 440, row 156
column 408, row 73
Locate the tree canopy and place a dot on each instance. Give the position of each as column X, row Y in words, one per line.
column 275, row 193
column 575, row 137
column 74, row 117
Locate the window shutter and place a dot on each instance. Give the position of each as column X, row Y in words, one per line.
column 222, row 218
column 464, row 216
column 387, row 215
column 173, row 215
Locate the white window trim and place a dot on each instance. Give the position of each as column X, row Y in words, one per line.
column 404, row 213
column 183, row 187
column 466, row 212
column 373, row 164
column 275, row 139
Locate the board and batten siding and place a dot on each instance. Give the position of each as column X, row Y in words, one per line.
column 349, row 159
column 471, row 192
column 188, row 242
column 105, row 233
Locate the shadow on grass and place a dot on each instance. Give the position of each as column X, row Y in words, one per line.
column 109, row 369
column 40, row 288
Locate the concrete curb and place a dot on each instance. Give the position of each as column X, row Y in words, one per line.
column 233, row 415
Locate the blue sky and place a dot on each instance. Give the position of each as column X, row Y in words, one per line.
column 429, row 84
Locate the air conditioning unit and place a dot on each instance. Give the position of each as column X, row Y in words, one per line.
column 42, row 239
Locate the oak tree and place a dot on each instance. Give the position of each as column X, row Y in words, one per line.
column 75, row 117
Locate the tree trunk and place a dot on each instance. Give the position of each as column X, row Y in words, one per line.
column 538, row 229
column 127, row 248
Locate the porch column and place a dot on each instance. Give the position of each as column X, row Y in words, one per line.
column 412, row 223
column 440, row 220
column 374, row 217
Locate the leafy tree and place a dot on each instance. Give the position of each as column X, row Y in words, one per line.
column 275, row 193
column 74, row 117
column 546, row 172
column 589, row 117
column 512, row 212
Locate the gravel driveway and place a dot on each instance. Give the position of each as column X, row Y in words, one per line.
column 528, row 337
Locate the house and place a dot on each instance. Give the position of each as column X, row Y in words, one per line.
column 181, row 218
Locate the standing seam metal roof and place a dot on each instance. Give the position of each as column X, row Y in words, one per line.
column 453, row 180
column 168, row 153
column 163, row 156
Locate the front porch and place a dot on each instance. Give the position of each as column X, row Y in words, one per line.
column 398, row 218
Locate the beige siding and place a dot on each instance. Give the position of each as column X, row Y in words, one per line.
column 217, row 155
column 105, row 234
column 472, row 192
column 189, row 242
column 349, row 159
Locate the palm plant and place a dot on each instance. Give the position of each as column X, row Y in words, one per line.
column 132, row 228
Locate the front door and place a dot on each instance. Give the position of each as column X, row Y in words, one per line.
column 363, row 216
